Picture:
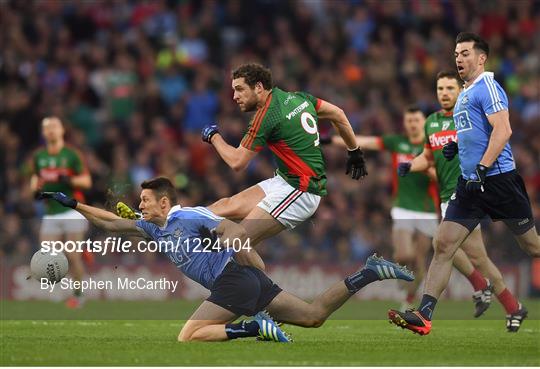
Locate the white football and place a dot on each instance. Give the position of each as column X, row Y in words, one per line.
column 51, row 267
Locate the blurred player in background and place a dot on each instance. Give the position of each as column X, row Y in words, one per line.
column 488, row 185
column 286, row 122
column 413, row 211
column 235, row 289
column 440, row 130
column 58, row 167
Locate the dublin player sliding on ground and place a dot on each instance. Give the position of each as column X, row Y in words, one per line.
column 235, row 289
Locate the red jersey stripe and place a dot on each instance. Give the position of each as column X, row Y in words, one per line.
column 319, row 102
column 257, row 121
column 295, row 164
column 380, row 143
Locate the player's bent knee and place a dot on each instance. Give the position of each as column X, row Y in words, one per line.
column 186, row 334
column 316, row 320
column 444, row 246
column 183, row 337
column 311, row 323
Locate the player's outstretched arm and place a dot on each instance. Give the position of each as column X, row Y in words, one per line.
column 423, row 161
column 106, row 220
column 100, row 218
column 364, row 142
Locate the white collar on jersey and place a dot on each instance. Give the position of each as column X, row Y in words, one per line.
column 478, row 79
column 174, row 209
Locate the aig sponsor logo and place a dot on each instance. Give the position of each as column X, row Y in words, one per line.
column 462, row 121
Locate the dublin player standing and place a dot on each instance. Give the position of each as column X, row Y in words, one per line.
column 286, row 122
column 58, row 167
column 413, row 211
column 440, row 130
column 488, row 185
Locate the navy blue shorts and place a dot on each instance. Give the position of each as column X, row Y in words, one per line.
column 504, row 198
column 244, row 290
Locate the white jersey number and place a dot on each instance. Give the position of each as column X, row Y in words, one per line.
column 310, row 125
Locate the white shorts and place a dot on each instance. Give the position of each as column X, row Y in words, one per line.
column 444, row 206
column 415, row 221
column 287, row 204
column 70, row 221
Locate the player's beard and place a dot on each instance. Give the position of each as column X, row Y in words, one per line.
column 251, row 104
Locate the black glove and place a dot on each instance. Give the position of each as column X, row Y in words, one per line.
column 206, row 233
column 403, row 169
column 476, row 183
column 66, row 201
column 356, row 165
column 450, row 150
column 64, row 179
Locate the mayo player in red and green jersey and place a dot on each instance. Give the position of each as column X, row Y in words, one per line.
column 59, row 168
column 286, row 122
column 413, row 212
column 440, row 130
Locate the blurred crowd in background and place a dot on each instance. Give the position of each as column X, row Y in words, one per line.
column 135, row 81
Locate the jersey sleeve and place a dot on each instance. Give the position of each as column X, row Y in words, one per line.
column 147, row 229
column 492, row 97
column 315, row 101
column 389, row 142
column 259, row 130
column 427, row 144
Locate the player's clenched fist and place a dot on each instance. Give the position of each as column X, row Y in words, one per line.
column 476, row 182
column 403, row 169
column 450, row 150
column 209, row 131
column 356, row 165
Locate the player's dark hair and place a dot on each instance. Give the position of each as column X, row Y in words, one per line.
column 450, row 74
column 479, row 42
column 413, row 109
column 253, row 73
column 161, row 187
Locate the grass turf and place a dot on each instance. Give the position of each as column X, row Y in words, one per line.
column 455, row 340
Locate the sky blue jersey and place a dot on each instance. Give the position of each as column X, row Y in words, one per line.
column 184, row 247
column 484, row 97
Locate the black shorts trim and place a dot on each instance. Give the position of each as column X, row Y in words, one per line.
column 243, row 290
column 504, row 198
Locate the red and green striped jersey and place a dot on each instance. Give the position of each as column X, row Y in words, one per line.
column 287, row 123
column 48, row 167
column 440, row 130
column 415, row 191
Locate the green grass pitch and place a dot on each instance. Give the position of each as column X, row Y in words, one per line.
column 31, row 334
